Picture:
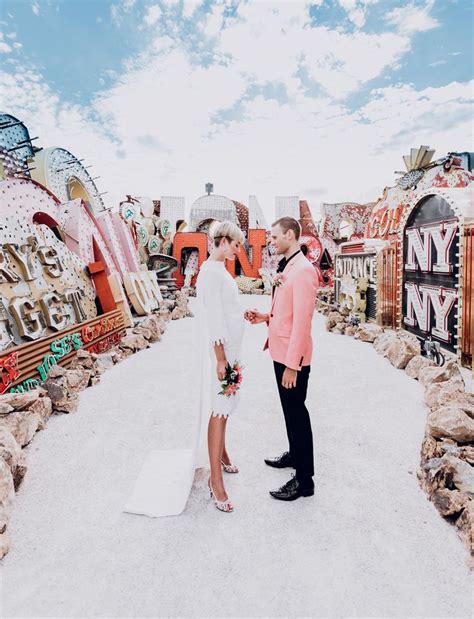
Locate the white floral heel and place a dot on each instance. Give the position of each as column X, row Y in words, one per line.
column 229, row 468
column 223, row 506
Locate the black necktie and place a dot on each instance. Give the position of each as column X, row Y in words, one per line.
column 281, row 265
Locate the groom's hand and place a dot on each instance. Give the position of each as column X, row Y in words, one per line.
column 255, row 317
column 289, row 378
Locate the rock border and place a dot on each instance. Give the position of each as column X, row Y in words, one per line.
column 446, row 471
column 24, row 414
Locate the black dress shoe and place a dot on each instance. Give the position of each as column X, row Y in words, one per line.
column 281, row 462
column 292, row 490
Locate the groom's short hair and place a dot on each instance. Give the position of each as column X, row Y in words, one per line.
column 289, row 223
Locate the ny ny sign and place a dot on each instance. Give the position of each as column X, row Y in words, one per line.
column 420, row 244
column 421, row 300
column 430, row 291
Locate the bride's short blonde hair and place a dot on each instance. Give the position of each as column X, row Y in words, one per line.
column 228, row 230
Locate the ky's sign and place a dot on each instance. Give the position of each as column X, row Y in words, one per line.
column 430, row 293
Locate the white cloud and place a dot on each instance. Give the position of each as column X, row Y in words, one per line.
column 410, row 19
column 264, row 41
column 152, row 14
column 408, row 102
column 214, row 21
column 4, row 48
column 11, row 35
column 163, row 44
column 189, row 6
column 174, row 100
column 437, row 116
column 118, row 10
column 272, row 42
column 355, row 12
column 341, row 62
column 35, row 7
column 158, row 132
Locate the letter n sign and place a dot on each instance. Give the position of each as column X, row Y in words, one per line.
column 188, row 240
column 430, row 270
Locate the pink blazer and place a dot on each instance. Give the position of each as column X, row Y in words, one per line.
column 289, row 327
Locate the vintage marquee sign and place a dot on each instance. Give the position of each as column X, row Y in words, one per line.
column 430, row 269
column 26, row 367
column 105, row 237
column 44, row 287
column 385, row 220
column 357, row 272
column 357, row 265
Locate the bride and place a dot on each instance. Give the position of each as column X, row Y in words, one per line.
column 166, row 478
column 223, row 323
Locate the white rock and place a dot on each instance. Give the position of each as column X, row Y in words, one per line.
column 450, row 422
column 22, row 424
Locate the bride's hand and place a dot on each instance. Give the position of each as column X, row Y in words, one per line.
column 221, row 369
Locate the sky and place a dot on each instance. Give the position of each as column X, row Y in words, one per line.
column 317, row 99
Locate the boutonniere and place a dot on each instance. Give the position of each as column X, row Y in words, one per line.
column 278, row 280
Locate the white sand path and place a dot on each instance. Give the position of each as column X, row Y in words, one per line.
column 368, row 544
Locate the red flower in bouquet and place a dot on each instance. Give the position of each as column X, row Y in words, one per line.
column 232, row 381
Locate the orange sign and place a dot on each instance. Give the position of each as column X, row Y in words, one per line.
column 385, row 221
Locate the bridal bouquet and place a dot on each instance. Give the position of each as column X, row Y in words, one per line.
column 232, row 381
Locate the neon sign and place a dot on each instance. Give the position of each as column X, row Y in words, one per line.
column 430, row 292
column 95, row 336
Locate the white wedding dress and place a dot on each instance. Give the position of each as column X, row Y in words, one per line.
column 166, row 478
column 220, row 322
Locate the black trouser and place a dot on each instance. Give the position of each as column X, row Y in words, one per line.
column 298, row 424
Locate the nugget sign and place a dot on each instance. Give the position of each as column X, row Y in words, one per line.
column 430, row 294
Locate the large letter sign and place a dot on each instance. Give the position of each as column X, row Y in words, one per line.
column 420, row 240
column 430, row 292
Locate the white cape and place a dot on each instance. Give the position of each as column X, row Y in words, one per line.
column 166, row 478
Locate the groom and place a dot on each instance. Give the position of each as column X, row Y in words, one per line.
column 291, row 347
